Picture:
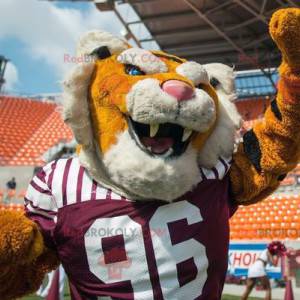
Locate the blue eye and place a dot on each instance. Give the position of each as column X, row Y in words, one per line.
column 133, row 70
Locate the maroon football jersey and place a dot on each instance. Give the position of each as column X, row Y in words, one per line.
column 114, row 248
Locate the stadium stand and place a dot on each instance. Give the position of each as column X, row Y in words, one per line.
column 28, row 129
column 12, row 206
column 278, row 217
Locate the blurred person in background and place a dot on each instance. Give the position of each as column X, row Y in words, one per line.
column 257, row 272
column 54, row 288
column 11, row 186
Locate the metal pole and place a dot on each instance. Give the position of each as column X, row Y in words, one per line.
column 263, row 6
column 249, row 9
column 291, row 2
column 3, row 62
column 127, row 27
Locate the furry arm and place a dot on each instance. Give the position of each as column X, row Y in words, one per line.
column 24, row 259
column 272, row 147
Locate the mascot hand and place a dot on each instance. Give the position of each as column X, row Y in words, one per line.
column 20, row 239
column 285, row 31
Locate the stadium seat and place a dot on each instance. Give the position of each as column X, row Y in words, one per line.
column 276, row 217
column 39, row 124
column 22, row 194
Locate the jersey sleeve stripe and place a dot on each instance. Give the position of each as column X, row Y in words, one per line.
column 202, row 174
column 57, row 181
column 224, row 164
column 79, row 184
column 100, row 193
column 38, row 188
column 42, row 184
column 215, row 172
column 208, row 173
column 38, row 198
column 115, row 196
column 33, row 213
column 221, row 169
column 108, row 195
column 94, row 190
column 37, row 208
column 50, row 178
column 86, row 187
column 42, row 176
column 65, row 181
column 71, row 185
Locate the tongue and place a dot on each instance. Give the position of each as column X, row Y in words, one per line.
column 158, row 145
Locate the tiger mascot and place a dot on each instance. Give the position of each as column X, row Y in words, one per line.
column 142, row 212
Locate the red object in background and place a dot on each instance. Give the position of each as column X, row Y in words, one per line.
column 277, row 248
column 290, row 264
column 289, row 291
column 294, row 261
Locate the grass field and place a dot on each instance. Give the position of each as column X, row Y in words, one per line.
column 67, row 297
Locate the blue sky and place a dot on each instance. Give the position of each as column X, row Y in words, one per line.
column 35, row 35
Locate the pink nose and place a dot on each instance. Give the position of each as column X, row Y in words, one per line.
column 178, row 89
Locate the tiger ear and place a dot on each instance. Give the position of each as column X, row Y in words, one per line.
column 100, row 44
column 221, row 77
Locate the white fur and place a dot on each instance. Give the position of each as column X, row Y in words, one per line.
column 96, row 38
column 148, row 103
column 198, row 113
column 76, row 111
column 222, row 140
column 145, row 60
column 151, row 177
column 194, row 72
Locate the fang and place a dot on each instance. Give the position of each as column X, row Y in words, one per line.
column 154, row 129
column 186, row 134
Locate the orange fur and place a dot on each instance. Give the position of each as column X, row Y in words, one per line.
column 107, row 98
column 284, row 29
column 279, row 140
column 24, row 260
column 20, row 239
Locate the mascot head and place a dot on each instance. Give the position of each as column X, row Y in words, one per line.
column 146, row 120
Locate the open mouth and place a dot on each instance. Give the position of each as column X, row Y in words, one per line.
column 164, row 140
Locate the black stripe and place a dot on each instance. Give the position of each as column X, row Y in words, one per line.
column 275, row 110
column 101, row 52
column 252, row 149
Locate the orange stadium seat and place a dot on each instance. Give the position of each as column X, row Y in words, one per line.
column 22, row 194
column 39, row 127
column 276, row 217
column 13, row 207
column 289, row 180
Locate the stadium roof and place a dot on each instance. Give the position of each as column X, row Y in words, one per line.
column 234, row 32
column 229, row 31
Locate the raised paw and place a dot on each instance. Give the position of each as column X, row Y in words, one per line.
column 285, row 31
